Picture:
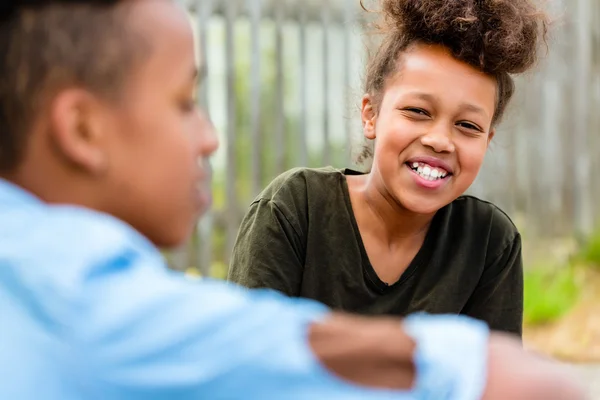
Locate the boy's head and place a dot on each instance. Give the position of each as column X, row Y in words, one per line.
column 97, row 109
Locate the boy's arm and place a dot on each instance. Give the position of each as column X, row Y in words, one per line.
column 514, row 374
column 154, row 335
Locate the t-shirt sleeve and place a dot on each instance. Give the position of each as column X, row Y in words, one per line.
column 152, row 334
column 269, row 250
column 498, row 298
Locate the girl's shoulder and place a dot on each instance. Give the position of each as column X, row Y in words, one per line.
column 298, row 184
column 301, row 195
column 481, row 218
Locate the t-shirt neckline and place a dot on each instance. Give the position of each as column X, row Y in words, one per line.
column 420, row 259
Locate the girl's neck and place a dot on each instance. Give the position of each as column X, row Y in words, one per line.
column 380, row 215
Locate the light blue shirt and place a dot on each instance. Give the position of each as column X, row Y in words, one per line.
column 89, row 310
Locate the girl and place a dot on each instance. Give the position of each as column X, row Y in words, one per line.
column 403, row 237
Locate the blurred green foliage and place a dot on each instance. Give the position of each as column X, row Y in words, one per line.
column 552, row 291
column 590, row 252
column 549, row 293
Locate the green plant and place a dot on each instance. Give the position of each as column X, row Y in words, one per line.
column 590, row 253
column 549, row 294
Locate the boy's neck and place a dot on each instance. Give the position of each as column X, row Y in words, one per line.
column 52, row 185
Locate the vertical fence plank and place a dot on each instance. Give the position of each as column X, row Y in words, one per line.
column 325, row 21
column 231, row 215
column 255, row 95
column 513, row 172
column 205, row 226
column 203, row 16
column 521, row 149
column 280, row 134
column 553, row 171
column 303, row 145
column 583, row 221
column 595, row 105
column 348, row 23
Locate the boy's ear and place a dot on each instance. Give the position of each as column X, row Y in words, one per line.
column 369, row 117
column 76, row 130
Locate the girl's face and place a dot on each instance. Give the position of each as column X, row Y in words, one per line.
column 433, row 126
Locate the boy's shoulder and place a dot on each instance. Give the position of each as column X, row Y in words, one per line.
column 67, row 245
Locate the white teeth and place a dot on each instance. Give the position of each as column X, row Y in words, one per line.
column 428, row 172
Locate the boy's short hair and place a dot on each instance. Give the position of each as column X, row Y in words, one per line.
column 46, row 45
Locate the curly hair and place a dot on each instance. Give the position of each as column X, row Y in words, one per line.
column 47, row 44
column 498, row 37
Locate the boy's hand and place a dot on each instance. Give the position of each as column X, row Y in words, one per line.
column 516, row 374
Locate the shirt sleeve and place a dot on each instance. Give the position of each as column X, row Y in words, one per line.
column 451, row 356
column 498, row 298
column 152, row 334
column 269, row 251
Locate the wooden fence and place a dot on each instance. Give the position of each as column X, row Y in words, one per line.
column 283, row 88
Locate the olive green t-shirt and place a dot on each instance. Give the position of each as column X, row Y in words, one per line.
column 300, row 237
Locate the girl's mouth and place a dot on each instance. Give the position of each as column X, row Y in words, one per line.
column 428, row 172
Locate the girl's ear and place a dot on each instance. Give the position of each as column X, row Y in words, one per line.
column 368, row 117
column 491, row 135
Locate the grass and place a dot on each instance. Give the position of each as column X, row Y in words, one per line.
column 549, row 294
column 590, row 253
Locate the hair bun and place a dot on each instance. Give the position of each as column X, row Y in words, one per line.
column 498, row 36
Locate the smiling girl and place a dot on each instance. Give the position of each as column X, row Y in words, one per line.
column 404, row 237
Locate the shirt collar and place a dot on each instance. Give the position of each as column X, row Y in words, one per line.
column 14, row 194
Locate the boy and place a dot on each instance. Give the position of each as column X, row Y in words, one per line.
column 102, row 158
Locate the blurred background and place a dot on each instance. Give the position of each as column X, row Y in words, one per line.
column 284, row 88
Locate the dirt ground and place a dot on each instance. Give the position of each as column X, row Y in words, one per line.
column 575, row 339
column 576, row 336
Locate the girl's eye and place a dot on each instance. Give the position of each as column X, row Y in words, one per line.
column 470, row 126
column 417, row 111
